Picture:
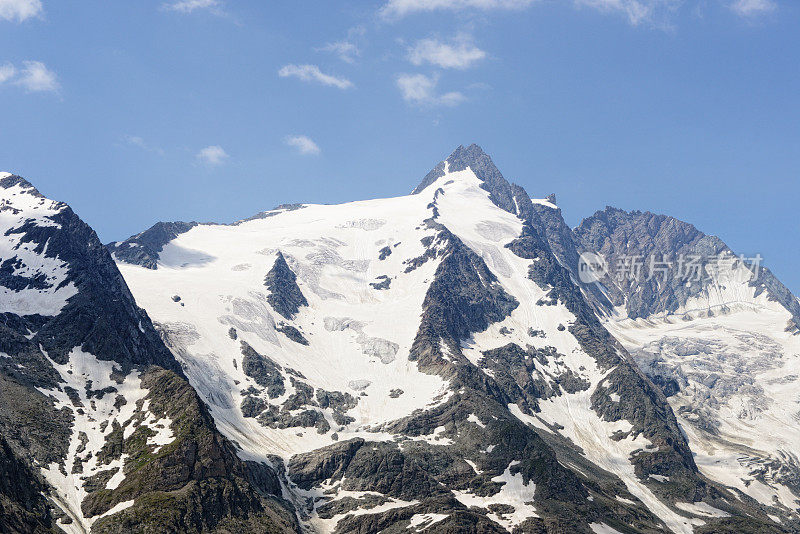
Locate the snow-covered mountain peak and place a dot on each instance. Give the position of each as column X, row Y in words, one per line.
column 506, row 196
column 472, row 156
column 20, row 197
column 413, row 327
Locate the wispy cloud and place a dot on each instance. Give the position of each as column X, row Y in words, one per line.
column 138, row 142
column 19, row 10
column 655, row 12
column 34, row 77
column 7, row 72
column 304, row 145
column 212, row 156
column 399, row 8
column 751, row 8
column 215, row 7
column 347, row 49
column 311, row 73
column 344, row 50
column 421, row 90
column 459, row 54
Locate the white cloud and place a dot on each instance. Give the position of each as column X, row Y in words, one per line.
column 749, row 8
column 420, row 89
column 460, row 54
column 188, row 6
column 7, row 72
column 311, row 73
column 345, row 50
column 401, row 8
column 212, row 156
column 304, row 145
column 35, row 77
column 656, row 12
column 19, row 10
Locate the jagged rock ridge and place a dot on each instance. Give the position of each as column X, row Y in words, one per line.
column 616, row 234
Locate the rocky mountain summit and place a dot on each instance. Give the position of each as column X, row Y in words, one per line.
column 432, row 362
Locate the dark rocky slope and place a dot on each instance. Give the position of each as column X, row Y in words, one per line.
column 23, row 508
column 195, row 483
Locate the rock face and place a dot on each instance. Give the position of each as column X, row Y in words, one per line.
column 464, row 297
column 23, row 507
column 194, row 483
column 639, row 236
column 427, row 363
column 99, row 315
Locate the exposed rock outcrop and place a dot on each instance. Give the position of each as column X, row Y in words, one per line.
column 285, row 296
column 144, row 249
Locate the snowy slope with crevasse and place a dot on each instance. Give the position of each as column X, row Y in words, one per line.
column 736, row 378
column 359, row 337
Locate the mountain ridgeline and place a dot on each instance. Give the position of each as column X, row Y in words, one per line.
column 429, row 362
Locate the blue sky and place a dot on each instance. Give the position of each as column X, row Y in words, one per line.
column 141, row 111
